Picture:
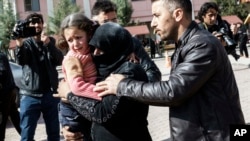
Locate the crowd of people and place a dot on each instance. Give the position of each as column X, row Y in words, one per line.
column 110, row 80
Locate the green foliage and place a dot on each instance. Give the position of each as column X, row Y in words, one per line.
column 62, row 9
column 230, row 7
column 7, row 23
column 124, row 11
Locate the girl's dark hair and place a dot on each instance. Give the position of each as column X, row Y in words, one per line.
column 204, row 9
column 78, row 20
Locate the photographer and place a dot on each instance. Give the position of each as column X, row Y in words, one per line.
column 212, row 21
column 38, row 57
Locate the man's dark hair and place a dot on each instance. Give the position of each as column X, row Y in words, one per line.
column 35, row 15
column 185, row 5
column 105, row 6
column 204, row 9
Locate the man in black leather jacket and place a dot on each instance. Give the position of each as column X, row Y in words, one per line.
column 38, row 57
column 201, row 92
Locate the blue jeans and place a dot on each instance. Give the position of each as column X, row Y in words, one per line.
column 30, row 111
column 68, row 116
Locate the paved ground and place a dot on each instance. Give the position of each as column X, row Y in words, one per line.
column 158, row 116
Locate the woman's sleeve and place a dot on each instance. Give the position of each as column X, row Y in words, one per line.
column 102, row 111
column 93, row 110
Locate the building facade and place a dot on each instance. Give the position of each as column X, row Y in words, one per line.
column 142, row 8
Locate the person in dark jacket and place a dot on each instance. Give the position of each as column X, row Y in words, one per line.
column 212, row 21
column 241, row 37
column 39, row 58
column 8, row 92
column 114, row 118
column 201, row 92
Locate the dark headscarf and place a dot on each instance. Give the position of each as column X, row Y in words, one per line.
column 116, row 43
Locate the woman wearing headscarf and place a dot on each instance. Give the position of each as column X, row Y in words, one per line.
column 114, row 118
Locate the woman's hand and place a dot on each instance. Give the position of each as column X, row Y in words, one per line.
column 70, row 136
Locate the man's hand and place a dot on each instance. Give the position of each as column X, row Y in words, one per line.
column 109, row 86
column 70, row 136
column 45, row 38
column 63, row 90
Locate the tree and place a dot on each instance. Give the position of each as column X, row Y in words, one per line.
column 232, row 7
column 63, row 9
column 124, row 11
column 6, row 26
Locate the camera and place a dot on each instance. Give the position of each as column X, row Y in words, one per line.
column 226, row 38
column 23, row 30
column 231, row 44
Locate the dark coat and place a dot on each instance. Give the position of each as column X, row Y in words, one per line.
column 201, row 91
column 7, row 83
column 116, row 118
column 39, row 64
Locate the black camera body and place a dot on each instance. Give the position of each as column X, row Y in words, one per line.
column 23, row 30
column 231, row 44
column 226, row 38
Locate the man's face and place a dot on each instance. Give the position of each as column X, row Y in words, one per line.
column 210, row 17
column 106, row 17
column 163, row 22
column 37, row 23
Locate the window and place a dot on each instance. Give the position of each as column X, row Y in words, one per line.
column 32, row 5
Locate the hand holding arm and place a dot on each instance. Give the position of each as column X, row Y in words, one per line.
column 110, row 85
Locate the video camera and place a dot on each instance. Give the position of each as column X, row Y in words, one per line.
column 231, row 44
column 23, row 30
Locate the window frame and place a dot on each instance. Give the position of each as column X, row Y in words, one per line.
column 31, row 5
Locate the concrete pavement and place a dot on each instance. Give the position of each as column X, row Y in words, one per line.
column 158, row 116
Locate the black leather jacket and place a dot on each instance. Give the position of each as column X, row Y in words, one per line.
column 39, row 63
column 201, row 91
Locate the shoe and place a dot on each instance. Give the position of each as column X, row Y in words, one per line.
column 237, row 57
